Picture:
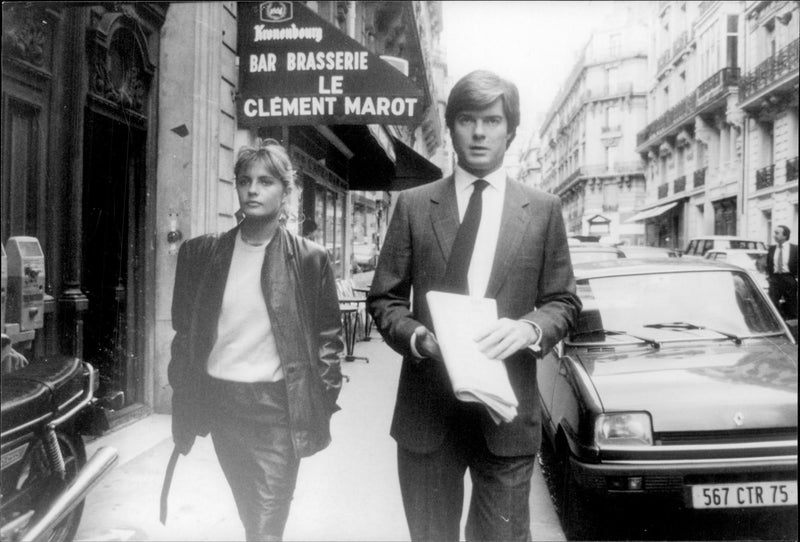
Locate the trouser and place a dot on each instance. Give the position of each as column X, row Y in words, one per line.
column 251, row 435
column 432, row 487
column 784, row 286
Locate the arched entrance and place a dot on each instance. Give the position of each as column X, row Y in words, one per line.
column 114, row 205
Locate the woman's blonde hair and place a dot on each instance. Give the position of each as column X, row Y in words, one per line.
column 272, row 154
column 275, row 158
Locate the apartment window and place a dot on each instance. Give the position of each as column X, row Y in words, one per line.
column 769, row 38
column 732, row 42
column 767, row 143
column 665, row 96
column 766, row 226
column 612, row 79
column 682, row 79
column 611, row 157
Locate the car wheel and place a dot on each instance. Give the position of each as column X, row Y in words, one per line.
column 579, row 517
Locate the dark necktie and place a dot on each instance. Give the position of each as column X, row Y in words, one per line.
column 779, row 266
column 455, row 277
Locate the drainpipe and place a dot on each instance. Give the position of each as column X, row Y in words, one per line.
column 745, row 168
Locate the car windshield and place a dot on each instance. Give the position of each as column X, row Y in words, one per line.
column 719, row 305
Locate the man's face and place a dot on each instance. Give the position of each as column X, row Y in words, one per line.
column 778, row 235
column 480, row 138
column 260, row 194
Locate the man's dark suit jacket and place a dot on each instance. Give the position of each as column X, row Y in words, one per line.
column 531, row 279
column 790, row 263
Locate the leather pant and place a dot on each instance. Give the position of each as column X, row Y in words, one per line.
column 251, row 436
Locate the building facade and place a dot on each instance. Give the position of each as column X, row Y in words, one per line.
column 588, row 136
column 769, row 98
column 716, row 68
column 119, row 139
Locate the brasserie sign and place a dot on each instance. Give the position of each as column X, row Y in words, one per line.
column 297, row 68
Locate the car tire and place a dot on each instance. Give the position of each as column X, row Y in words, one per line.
column 579, row 517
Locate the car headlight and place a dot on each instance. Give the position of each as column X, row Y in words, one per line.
column 624, row 429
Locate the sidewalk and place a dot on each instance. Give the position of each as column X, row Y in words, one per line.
column 347, row 492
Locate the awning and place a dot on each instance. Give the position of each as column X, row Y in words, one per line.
column 371, row 168
column 650, row 213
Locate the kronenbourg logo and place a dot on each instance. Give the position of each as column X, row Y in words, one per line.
column 275, row 12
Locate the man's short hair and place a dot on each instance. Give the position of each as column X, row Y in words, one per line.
column 786, row 231
column 479, row 90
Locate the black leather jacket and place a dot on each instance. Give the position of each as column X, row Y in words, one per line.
column 300, row 293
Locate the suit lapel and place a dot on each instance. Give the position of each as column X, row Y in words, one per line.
column 444, row 215
column 513, row 225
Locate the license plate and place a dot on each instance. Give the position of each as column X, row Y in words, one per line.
column 747, row 495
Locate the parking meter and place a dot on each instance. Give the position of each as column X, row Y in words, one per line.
column 25, row 288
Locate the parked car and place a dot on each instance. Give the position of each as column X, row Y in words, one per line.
column 581, row 252
column 365, row 257
column 698, row 246
column 755, row 261
column 676, row 388
column 635, row 251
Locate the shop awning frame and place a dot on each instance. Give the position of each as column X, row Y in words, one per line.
column 651, row 213
column 373, row 168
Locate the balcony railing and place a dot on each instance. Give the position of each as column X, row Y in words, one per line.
column 680, row 43
column 634, row 166
column 663, row 190
column 783, row 62
column 765, row 177
column 791, row 169
column 680, row 184
column 679, row 113
column 699, row 178
column 713, row 87
column 717, row 84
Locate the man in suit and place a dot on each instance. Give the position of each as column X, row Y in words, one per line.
column 782, row 272
column 518, row 256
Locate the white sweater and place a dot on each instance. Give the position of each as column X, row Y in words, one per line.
column 245, row 350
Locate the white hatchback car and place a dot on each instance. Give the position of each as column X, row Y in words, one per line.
column 699, row 246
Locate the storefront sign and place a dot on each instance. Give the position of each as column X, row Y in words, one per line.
column 297, row 68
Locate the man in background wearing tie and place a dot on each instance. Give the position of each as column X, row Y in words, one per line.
column 782, row 272
column 475, row 232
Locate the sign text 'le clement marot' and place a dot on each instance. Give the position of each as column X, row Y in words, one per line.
column 296, row 68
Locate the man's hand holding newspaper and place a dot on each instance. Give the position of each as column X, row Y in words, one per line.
column 458, row 321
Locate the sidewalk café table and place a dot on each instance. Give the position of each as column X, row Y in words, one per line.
column 367, row 319
column 349, row 307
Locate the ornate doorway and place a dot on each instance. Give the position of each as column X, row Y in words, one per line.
column 115, row 204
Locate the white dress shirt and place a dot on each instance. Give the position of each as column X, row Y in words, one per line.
column 480, row 266
column 784, row 255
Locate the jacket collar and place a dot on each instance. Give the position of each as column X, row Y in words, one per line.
column 516, row 215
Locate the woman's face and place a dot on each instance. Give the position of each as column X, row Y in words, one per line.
column 260, row 193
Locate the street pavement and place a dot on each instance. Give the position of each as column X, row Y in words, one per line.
column 347, row 492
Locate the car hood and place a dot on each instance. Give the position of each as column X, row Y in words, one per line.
column 696, row 388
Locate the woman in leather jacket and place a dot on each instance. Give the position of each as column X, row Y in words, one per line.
column 255, row 358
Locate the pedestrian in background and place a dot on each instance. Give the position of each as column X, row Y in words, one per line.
column 782, row 272
column 521, row 259
column 255, row 358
